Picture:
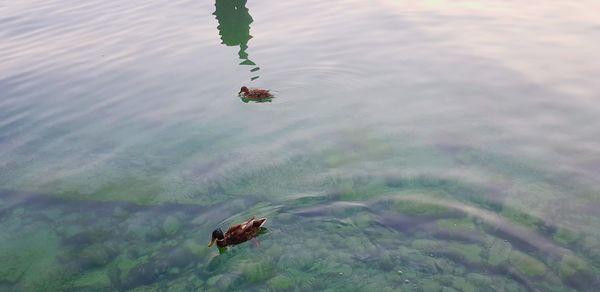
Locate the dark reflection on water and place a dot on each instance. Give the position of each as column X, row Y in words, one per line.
column 234, row 27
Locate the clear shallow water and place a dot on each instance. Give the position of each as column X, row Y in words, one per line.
column 410, row 146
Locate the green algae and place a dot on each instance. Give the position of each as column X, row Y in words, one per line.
column 28, row 257
column 570, row 265
column 426, row 245
column 121, row 266
column 191, row 283
column 480, row 280
column 13, row 267
column 565, row 236
column 464, row 224
column 445, row 266
column 351, row 244
column 335, row 159
column 97, row 280
column 432, row 286
column 470, row 252
column 591, row 245
column 521, row 218
column 53, row 279
column 526, row 265
column 461, row 284
column 420, row 208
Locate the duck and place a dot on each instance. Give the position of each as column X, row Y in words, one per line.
column 255, row 93
column 237, row 234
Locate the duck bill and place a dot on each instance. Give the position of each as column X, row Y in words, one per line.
column 212, row 241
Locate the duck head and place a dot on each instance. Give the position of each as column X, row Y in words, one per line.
column 244, row 90
column 216, row 235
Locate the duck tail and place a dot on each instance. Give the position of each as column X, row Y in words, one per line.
column 260, row 222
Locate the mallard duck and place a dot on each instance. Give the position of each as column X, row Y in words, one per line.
column 237, row 234
column 255, row 93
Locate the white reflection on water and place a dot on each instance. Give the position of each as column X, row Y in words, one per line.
column 552, row 43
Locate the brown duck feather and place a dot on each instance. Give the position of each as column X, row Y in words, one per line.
column 255, row 93
column 242, row 232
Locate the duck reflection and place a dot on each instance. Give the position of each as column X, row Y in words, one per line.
column 234, row 27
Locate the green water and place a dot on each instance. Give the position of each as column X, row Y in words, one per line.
column 410, row 146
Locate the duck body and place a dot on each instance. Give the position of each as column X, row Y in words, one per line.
column 255, row 93
column 237, row 234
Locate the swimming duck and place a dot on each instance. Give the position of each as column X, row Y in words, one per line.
column 255, row 93
column 237, row 234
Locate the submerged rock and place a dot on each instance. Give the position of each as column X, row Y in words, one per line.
column 28, row 259
column 461, row 284
column 527, row 265
column 153, row 232
column 196, row 249
column 213, row 280
column 96, row 281
column 120, row 212
column 426, row 245
column 565, row 236
column 499, row 252
column 171, row 225
column 257, row 272
column 174, row 257
column 13, row 267
column 221, row 282
column 385, row 261
column 576, row 272
column 444, row 265
column 166, row 263
column 483, row 281
column 88, row 237
column 280, row 283
column 96, row 255
column 470, row 252
column 139, row 275
column 429, row 285
column 300, row 260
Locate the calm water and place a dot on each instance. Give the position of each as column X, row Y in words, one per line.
column 412, row 145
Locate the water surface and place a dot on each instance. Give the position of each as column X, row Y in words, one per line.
column 411, row 145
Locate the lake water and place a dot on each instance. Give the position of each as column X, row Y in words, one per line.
column 411, row 145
